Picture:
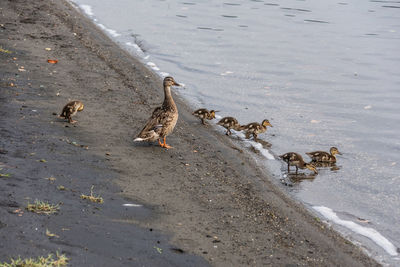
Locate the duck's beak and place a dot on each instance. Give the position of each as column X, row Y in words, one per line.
column 339, row 153
column 177, row 84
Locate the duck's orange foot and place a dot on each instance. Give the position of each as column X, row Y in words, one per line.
column 164, row 145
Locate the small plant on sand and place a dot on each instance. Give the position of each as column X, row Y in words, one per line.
column 92, row 197
column 42, row 207
column 61, row 188
column 49, row 261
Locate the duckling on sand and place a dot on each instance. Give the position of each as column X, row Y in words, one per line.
column 70, row 109
column 164, row 118
column 230, row 123
column 203, row 114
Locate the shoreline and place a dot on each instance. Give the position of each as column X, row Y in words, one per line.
column 214, row 203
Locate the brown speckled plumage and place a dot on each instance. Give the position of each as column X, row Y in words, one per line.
column 230, row 123
column 256, row 128
column 204, row 114
column 70, row 109
column 295, row 159
column 163, row 119
column 322, row 156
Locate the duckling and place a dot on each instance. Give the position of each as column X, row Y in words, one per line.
column 230, row 123
column 322, row 156
column 255, row 128
column 163, row 120
column 294, row 159
column 70, row 109
column 204, row 114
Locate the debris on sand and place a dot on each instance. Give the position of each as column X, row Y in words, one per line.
column 41, row 207
column 49, row 234
column 5, row 51
column 51, row 179
column 61, row 188
column 75, row 143
column 159, row 250
column 92, row 197
column 60, row 260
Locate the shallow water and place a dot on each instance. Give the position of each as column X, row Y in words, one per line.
column 325, row 73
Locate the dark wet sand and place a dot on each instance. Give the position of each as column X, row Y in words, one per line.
column 204, row 202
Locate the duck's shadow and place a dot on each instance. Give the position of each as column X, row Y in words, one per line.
column 298, row 178
column 265, row 144
column 145, row 144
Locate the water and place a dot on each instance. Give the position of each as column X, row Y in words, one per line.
column 325, row 73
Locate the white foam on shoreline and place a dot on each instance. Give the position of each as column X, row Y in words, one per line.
column 131, row 205
column 153, row 66
column 110, row 31
column 257, row 146
column 164, row 74
column 101, row 26
column 138, row 49
column 261, row 149
column 250, row 143
column 87, row 9
column 371, row 233
column 113, row 33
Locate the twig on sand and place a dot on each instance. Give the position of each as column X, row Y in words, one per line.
column 92, row 197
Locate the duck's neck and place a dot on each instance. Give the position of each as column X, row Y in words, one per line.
column 168, row 100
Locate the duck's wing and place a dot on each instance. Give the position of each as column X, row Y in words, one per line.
column 251, row 127
column 290, row 156
column 200, row 112
column 149, row 129
column 154, row 126
column 319, row 155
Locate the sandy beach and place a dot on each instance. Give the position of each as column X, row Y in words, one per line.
column 204, row 202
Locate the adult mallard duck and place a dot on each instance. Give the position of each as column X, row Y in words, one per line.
column 230, row 123
column 70, row 109
column 203, row 114
column 294, row 159
column 256, row 128
column 163, row 119
column 322, row 156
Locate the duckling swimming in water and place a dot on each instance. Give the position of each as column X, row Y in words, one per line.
column 230, row 123
column 255, row 128
column 204, row 114
column 70, row 109
column 294, row 159
column 164, row 118
column 322, row 156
